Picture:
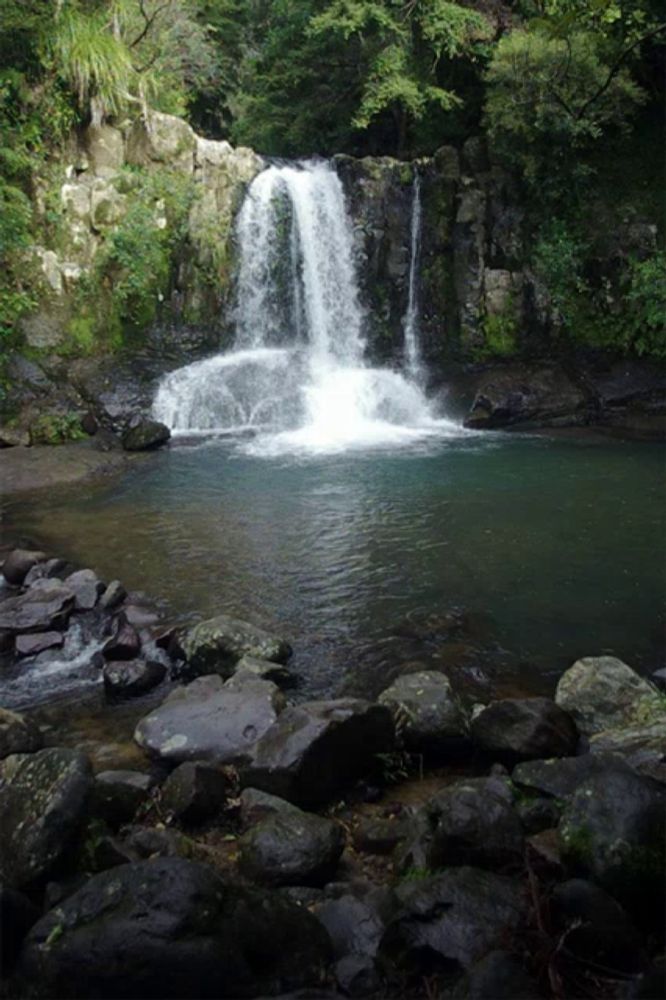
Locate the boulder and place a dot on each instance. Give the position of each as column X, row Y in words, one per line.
column 538, row 813
column 206, row 721
column 525, row 728
column 45, row 607
column 560, row 777
column 266, row 670
column 18, row 734
column 113, row 596
column 452, row 920
column 195, row 791
column 41, row 809
column 602, row 692
column 291, row 848
column 381, row 835
column 356, row 975
column 428, row 715
column 14, row 437
column 18, row 563
column 44, row 570
column 536, row 395
column 215, row 646
column 129, row 678
column 317, row 748
column 613, row 829
column 642, row 747
column 17, row 916
column 86, row 587
column 125, row 644
column 598, row 931
column 256, row 806
column 145, row 435
column 173, row 928
column 497, row 976
column 117, row 795
column 474, row 823
column 31, row 645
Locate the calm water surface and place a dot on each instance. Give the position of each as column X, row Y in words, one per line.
column 560, row 541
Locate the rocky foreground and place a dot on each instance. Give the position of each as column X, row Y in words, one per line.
column 267, row 848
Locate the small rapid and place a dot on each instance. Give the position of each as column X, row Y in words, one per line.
column 296, row 378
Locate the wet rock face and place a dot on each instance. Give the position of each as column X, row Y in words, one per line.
column 475, row 823
column 207, row 721
column 540, row 396
column 172, row 928
column 195, row 791
column 42, row 806
column 317, row 748
column 292, row 848
column 525, row 728
column 613, row 829
column 118, row 794
column 450, row 921
column 428, row 716
column 215, row 646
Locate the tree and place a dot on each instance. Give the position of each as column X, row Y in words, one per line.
column 549, row 100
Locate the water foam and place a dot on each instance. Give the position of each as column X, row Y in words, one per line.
column 297, row 375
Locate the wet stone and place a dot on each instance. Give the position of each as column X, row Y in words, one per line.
column 31, row 645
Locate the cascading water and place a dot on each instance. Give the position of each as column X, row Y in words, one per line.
column 411, row 317
column 297, row 375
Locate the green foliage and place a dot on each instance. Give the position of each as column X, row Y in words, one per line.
column 645, row 318
column 499, row 334
column 549, row 101
column 629, row 316
column 56, row 428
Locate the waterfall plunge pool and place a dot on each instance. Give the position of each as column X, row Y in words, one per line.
column 553, row 545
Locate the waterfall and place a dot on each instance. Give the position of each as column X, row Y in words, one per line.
column 411, row 317
column 296, row 376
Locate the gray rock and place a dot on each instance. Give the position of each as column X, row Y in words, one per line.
column 613, row 830
column 265, row 670
column 117, row 795
column 86, row 587
column 355, row 926
column 456, row 917
column 195, row 791
column 30, row 645
column 317, row 748
column 598, row 931
column 560, row 777
column 538, row 813
column 18, row 734
column 256, row 806
column 145, row 435
column 18, row 563
column 357, row 976
column 172, row 928
column 536, row 395
column 602, row 692
column 129, row 678
column 45, row 607
column 17, row 916
column 216, row 645
column 44, row 570
column 206, row 721
column 525, row 727
column 475, row 823
column 14, row 437
column 377, row 835
column 41, row 809
column 125, row 644
column 430, row 717
column 642, row 747
column 113, row 596
column 291, row 848
column 497, row 976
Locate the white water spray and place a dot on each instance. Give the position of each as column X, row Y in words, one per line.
column 297, row 375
